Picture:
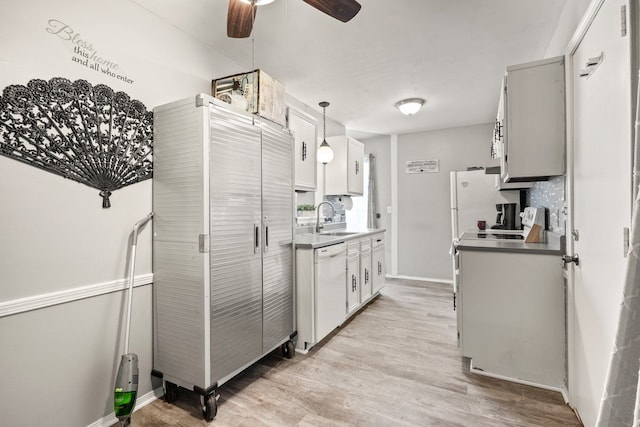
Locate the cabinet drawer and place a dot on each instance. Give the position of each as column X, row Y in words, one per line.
column 353, row 249
column 377, row 241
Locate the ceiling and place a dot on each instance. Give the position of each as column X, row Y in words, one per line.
column 450, row 52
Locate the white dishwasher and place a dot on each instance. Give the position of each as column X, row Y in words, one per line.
column 331, row 291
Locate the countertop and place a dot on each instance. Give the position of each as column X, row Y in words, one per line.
column 553, row 244
column 315, row 240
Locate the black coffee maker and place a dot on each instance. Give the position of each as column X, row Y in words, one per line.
column 506, row 217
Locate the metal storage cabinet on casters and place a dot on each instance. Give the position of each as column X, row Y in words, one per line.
column 222, row 244
column 209, row 397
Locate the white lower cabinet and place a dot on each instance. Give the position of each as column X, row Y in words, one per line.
column 365, row 270
column 333, row 282
column 512, row 312
column 353, row 277
column 378, row 266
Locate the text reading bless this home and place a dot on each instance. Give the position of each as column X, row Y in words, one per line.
column 84, row 52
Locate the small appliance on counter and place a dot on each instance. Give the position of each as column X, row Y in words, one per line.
column 506, row 217
column 534, row 223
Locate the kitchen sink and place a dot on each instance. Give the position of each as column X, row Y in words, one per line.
column 337, row 233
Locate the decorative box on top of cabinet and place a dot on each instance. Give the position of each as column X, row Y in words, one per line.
column 344, row 174
column 533, row 143
column 305, row 134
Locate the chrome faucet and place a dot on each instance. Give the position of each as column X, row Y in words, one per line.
column 318, row 225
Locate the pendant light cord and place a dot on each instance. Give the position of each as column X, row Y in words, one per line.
column 324, row 123
column 324, row 105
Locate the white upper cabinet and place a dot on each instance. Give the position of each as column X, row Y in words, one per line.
column 534, row 121
column 344, row 173
column 304, row 129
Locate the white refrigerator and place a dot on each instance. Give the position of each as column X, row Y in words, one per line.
column 474, row 196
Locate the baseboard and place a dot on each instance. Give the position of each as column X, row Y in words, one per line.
column 141, row 402
column 420, row 279
column 560, row 390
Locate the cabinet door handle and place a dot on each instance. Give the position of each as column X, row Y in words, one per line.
column 366, row 276
column 354, row 283
column 357, row 167
column 379, row 268
column 304, row 151
column 256, row 238
column 266, row 237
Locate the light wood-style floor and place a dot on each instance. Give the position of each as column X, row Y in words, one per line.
column 394, row 364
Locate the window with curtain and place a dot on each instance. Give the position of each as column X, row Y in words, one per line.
column 363, row 213
column 357, row 216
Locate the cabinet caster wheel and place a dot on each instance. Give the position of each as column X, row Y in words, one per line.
column 170, row 392
column 209, row 407
column 288, row 349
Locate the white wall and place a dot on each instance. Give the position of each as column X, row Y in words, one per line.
column 59, row 363
column 424, row 215
column 567, row 24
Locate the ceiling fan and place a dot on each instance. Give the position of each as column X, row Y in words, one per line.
column 242, row 13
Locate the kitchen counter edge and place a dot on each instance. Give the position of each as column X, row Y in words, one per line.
column 555, row 246
column 315, row 240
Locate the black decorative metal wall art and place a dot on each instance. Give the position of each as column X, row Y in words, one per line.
column 86, row 133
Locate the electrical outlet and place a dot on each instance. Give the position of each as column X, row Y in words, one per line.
column 388, row 209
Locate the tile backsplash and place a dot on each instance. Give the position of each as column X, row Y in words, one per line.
column 551, row 195
column 325, row 215
column 336, row 201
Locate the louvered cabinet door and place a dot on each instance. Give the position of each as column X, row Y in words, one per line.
column 235, row 241
column 277, row 218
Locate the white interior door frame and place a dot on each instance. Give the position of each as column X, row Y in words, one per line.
column 571, row 76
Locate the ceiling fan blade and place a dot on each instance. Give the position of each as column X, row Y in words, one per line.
column 342, row 10
column 240, row 17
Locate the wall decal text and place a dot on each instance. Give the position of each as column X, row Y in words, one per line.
column 84, row 52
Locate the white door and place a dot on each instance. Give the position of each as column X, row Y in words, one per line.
column 601, row 202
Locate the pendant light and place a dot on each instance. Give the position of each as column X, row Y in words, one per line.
column 325, row 153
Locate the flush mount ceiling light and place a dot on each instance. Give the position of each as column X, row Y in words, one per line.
column 325, row 153
column 410, row 106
